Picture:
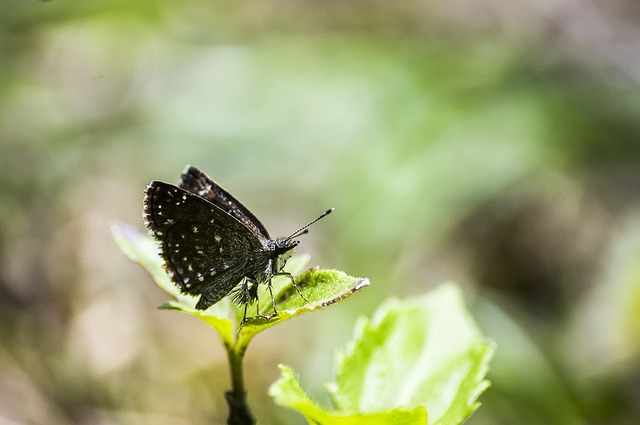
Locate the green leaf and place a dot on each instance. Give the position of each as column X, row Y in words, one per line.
column 143, row 250
column 320, row 288
column 287, row 392
column 423, row 353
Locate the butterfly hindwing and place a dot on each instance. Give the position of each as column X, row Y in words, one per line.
column 195, row 181
column 204, row 248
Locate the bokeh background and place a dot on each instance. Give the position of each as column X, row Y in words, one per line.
column 492, row 143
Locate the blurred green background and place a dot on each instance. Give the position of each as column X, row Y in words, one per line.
column 492, row 143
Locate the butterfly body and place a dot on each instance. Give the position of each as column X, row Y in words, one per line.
column 213, row 245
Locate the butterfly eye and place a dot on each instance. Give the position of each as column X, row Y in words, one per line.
column 283, row 246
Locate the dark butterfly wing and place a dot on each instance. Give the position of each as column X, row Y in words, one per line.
column 205, row 249
column 195, row 181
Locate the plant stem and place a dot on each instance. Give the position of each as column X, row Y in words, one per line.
column 239, row 413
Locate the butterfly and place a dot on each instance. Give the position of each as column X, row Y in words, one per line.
column 212, row 245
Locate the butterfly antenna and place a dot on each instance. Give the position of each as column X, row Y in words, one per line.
column 304, row 229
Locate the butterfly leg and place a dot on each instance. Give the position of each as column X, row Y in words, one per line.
column 243, row 297
column 251, row 294
column 244, row 317
column 258, row 307
column 273, row 300
column 258, row 304
column 293, row 282
column 275, row 311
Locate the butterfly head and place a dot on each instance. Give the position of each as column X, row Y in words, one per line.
column 283, row 247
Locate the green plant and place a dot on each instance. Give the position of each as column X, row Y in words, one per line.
column 413, row 357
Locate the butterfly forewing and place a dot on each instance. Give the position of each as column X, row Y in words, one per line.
column 205, row 250
column 195, row 181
